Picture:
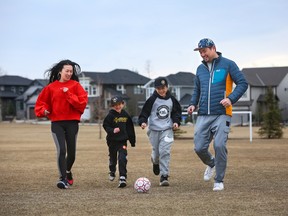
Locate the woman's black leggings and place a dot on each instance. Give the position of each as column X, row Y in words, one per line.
column 65, row 136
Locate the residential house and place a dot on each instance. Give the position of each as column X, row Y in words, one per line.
column 10, row 88
column 102, row 86
column 25, row 103
column 259, row 79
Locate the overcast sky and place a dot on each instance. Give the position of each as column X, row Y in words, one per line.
column 152, row 37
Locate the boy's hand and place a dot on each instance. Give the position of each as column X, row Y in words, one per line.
column 143, row 125
column 116, row 130
column 175, row 126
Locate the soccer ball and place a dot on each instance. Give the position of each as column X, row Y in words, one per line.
column 142, row 185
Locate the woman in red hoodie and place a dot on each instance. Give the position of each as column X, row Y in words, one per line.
column 63, row 101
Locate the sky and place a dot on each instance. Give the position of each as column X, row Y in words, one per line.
column 151, row 37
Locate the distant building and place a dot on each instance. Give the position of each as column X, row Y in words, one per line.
column 259, row 79
column 10, row 88
column 25, row 103
column 102, row 86
column 18, row 95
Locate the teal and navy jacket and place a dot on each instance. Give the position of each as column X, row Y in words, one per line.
column 211, row 86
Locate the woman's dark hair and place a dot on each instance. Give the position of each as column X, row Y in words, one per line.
column 53, row 72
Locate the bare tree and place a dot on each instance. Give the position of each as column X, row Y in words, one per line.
column 1, row 72
column 148, row 67
column 99, row 109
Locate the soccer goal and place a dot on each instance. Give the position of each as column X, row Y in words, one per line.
column 246, row 121
column 249, row 113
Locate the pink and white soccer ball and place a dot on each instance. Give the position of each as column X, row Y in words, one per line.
column 142, row 185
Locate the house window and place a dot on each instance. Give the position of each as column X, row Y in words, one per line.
column 87, row 89
column 86, row 85
column 138, row 89
column 245, row 96
column 2, row 88
column 13, row 89
column 121, row 88
column 21, row 90
column 94, row 90
column 149, row 92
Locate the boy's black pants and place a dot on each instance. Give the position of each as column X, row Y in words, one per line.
column 118, row 149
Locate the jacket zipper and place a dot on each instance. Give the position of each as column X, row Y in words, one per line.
column 210, row 82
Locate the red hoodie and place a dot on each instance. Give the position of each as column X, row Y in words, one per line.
column 62, row 105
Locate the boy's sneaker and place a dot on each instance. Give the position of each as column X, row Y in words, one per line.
column 62, row 184
column 164, row 181
column 209, row 172
column 69, row 178
column 122, row 182
column 111, row 176
column 218, row 186
column 156, row 169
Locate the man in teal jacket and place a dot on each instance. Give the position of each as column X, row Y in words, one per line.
column 213, row 96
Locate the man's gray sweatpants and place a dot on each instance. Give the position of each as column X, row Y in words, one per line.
column 161, row 142
column 215, row 127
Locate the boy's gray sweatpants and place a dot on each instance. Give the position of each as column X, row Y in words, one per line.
column 215, row 127
column 161, row 142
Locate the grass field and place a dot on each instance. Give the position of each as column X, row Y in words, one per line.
column 255, row 183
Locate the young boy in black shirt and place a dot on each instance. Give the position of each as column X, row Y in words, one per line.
column 119, row 128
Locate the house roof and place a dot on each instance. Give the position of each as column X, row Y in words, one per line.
column 243, row 103
column 185, row 100
column 29, row 92
column 41, row 82
column 117, row 76
column 270, row 76
column 32, row 100
column 181, row 79
column 14, row 80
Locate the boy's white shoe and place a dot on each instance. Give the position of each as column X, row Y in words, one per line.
column 209, row 172
column 218, row 186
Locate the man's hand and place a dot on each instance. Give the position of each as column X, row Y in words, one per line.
column 226, row 102
column 190, row 109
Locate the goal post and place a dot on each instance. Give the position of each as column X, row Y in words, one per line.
column 250, row 121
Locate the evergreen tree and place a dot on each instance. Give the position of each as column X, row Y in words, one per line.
column 271, row 126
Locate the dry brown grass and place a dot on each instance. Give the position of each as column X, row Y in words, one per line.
column 255, row 183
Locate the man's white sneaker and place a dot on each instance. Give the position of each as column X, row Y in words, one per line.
column 218, row 186
column 209, row 172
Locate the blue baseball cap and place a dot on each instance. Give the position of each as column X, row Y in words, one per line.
column 204, row 43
